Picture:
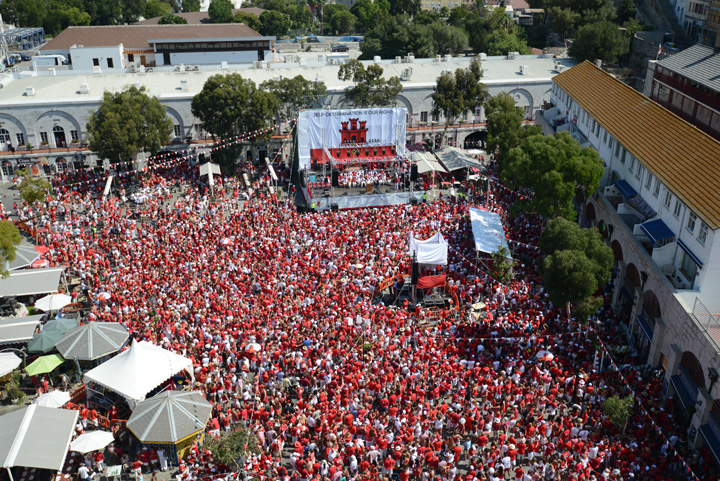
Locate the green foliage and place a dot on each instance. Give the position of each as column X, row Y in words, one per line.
column 369, row 13
column 502, row 265
column 24, row 13
column 126, row 123
column 371, row 89
column 299, row 15
column 157, row 8
column 409, row 7
column 275, row 23
column 577, row 261
column 618, row 410
column 459, row 93
column 295, row 94
column 9, row 240
column 342, row 22
column 63, row 14
column 229, row 446
column 190, row 5
column 504, row 124
column 220, row 11
column 171, row 18
column 500, row 42
column 104, row 12
column 586, row 308
column 626, row 11
column 564, row 20
column 33, row 189
column 248, row 19
column 556, row 169
column 601, row 40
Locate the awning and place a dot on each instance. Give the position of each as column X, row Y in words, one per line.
column 687, row 250
column 657, row 231
column 488, row 231
column 712, row 440
column 454, row 159
column 683, row 394
column 646, row 329
column 428, row 282
column 36, row 437
column 427, row 163
column 625, row 189
column 18, row 329
column 642, row 208
column 28, row 283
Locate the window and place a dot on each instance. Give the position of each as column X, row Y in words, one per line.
column 423, row 116
column 605, row 138
column 612, row 143
column 178, row 131
column 96, row 62
column 656, row 191
column 648, row 181
column 110, row 63
column 74, row 136
column 692, row 219
column 668, row 198
column 678, row 208
column 702, row 236
column 131, row 57
column 20, row 138
column 617, row 150
column 4, row 136
column 632, row 164
column 688, row 267
column 198, row 127
column 43, row 138
column 640, row 171
column 622, row 157
column 436, row 117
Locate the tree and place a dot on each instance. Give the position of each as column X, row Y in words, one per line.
column 171, row 18
column 248, row 19
column 9, row 240
column 223, row 103
column 500, row 42
column 601, row 40
column 190, row 5
column 369, row 13
column 33, row 189
column 556, row 169
column 564, row 20
column 62, row 14
column 409, row 7
column 626, row 11
column 459, row 93
column 448, row 39
column 126, row 123
column 228, row 447
column 504, row 124
column 275, row 23
column 24, row 13
column 156, row 8
column 295, row 94
column 132, row 10
column 502, row 265
column 220, row 11
column 618, row 410
column 568, row 277
column 104, row 12
column 371, row 89
column 343, row 22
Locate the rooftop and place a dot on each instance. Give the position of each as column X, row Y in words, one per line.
column 683, row 157
column 201, row 17
column 698, row 63
column 165, row 83
column 138, row 36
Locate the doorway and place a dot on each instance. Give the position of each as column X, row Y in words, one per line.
column 59, row 134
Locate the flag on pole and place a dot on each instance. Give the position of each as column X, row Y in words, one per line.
column 659, row 50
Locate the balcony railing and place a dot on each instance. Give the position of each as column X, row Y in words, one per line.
column 709, row 322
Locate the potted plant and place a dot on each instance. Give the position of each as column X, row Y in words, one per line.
column 29, row 146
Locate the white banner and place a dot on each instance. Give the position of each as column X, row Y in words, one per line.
column 377, row 127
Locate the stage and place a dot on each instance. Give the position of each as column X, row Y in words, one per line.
column 367, row 201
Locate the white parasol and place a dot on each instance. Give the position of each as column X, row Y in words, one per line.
column 91, row 441
column 53, row 399
column 53, row 302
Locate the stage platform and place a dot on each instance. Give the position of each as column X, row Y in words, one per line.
column 368, row 201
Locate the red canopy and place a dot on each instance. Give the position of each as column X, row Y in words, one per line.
column 428, row 282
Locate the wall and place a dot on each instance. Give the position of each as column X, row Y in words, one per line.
column 210, row 57
column 82, row 58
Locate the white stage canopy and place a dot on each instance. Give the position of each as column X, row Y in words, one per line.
column 31, row 282
column 138, row 370
column 426, row 162
column 430, row 251
column 36, row 437
column 488, row 230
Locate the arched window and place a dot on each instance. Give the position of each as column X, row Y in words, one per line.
column 4, row 136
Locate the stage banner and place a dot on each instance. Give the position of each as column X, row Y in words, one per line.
column 376, row 127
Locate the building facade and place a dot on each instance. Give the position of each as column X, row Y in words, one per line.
column 658, row 208
column 51, row 109
column 700, row 19
column 687, row 83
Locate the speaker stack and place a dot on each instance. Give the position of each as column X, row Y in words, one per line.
column 414, row 173
column 335, row 178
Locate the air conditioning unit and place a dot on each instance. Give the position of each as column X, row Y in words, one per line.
column 483, row 56
column 512, row 55
column 277, row 78
column 438, row 58
column 141, row 69
column 448, row 58
column 223, row 65
column 133, row 68
column 196, row 68
column 97, row 70
column 183, row 85
column 331, row 61
column 319, row 77
column 303, row 62
column 263, row 64
column 406, row 74
column 377, row 59
column 257, row 64
column 179, row 68
column 524, row 70
column 398, row 59
column 84, row 89
column 29, row 91
column 188, row 68
column 410, row 58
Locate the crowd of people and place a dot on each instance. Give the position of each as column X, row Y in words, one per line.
column 346, row 387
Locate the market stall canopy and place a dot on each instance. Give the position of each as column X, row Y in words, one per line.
column 91, row 441
column 36, row 437
column 31, row 282
column 426, row 162
column 430, row 251
column 25, row 255
column 45, row 340
column 53, row 399
column 455, row 159
column 8, row 362
column 488, row 230
column 169, row 417
column 138, row 370
column 53, row 302
column 44, row 364
column 18, row 329
column 93, row 340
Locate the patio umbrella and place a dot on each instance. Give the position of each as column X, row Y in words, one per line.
column 53, row 399
column 545, row 356
column 8, row 362
column 93, row 340
column 44, row 364
column 45, row 340
column 253, row 347
column 91, row 441
column 169, row 417
column 53, row 302
column 104, row 295
column 53, row 331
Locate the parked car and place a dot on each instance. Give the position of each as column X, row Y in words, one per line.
column 670, row 47
column 340, row 48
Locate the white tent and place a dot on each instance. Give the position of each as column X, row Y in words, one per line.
column 430, row 251
column 138, row 370
column 488, row 230
column 8, row 362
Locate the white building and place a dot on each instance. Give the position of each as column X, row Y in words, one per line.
column 658, row 207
